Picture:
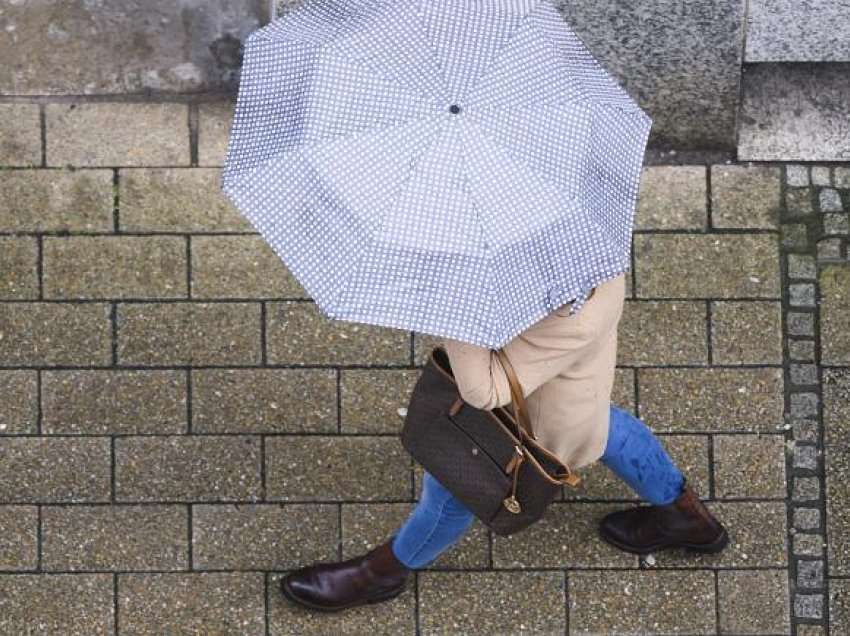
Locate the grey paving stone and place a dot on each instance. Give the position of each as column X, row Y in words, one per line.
column 641, row 602
column 801, row 294
column 842, row 177
column 749, row 466
column 690, row 84
column 746, row 332
column 19, row 263
column 795, row 236
column 56, row 200
column 808, row 605
column 745, row 196
column 117, row 134
column 263, row 536
column 801, row 350
column 114, row 267
column 392, row 618
column 81, row 538
column 672, row 197
column 808, row 545
column 836, row 421
column 806, row 518
column 804, row 374
column 110, row 402
column 68, row 604
column 566, row 537
column 834, row 285
column 662, row 332
column 214, row 121
column 753, row 602
column 809, row 574
column 18, row 538
column 670, row 265
column 804, row 404
column 804, row 430
column 54, row 470
column 757, row 538
column 799, row 202
column 264, row 401
column 240, row 267
column 177, row 47
column 375, row 400
column 689, row 453
column 488, row 602
column 830, row 200
column 176, row 200
column 800, row 323
column 718, row 400
column 836, row 224
column 788, row 31
column 298, row 333
column 196, row 603
column 187, row 468
column 797, row 175
column 20, row 144
column 821, row 176
column 18, row 402
column 329, row 467
column 810, row 629
column 805, row 489
column 365, row 525
column 189, row 333
column 806, row 457
column 839, row 605
column 54, row 334
column 794, row 113
column 829, row 249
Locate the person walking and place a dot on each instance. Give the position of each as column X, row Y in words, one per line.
column 565, row 363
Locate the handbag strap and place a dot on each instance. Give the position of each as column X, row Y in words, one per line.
column 517, row 398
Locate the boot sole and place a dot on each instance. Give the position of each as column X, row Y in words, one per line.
column 384, row 596
column 706, row 548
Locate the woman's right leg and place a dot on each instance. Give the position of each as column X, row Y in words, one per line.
column 435, row 524
column 636, row 456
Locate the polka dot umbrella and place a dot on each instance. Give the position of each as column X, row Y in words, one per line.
column 458, row 168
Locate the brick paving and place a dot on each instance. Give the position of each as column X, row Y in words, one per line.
column 180, row 426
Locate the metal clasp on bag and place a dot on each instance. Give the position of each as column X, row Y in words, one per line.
column 511, row 502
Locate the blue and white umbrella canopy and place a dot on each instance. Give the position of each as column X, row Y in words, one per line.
column 458, row 168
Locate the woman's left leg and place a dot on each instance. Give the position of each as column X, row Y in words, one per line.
column 636, row 456
column 676, row 518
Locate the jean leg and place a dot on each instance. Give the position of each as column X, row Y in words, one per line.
column 636, row 456
column 437, row 522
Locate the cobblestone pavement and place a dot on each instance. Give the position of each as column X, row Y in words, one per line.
column 180, row 426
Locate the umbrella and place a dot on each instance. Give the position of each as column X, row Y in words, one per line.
column 458, row 168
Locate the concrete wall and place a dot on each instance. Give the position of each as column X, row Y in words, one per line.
column 689, row 63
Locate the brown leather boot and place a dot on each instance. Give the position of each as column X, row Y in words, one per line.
column 370, row 578
column 685, row 522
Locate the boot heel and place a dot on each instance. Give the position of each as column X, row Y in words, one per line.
column 710, row 548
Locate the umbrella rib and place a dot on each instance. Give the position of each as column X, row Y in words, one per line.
column 487, row 259
column 495, row 59
column 624, row 103
column 377, row 233
column 589, row 213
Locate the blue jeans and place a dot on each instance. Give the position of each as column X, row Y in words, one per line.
column 632, row 452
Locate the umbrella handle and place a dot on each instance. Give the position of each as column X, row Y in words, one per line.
column 517, row 398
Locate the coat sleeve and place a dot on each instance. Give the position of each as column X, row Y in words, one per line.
column 481, row 380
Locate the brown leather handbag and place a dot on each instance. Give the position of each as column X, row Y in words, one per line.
column 488, row 459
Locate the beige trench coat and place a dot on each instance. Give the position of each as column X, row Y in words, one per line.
column 566, row 367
